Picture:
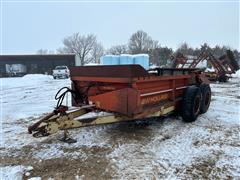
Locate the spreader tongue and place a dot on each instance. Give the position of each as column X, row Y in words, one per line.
column 37, row 126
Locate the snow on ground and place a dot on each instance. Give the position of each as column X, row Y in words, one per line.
column 163, row 148
column 24, row 97
column 237, row 74
column 30, row 95
column 14, row 172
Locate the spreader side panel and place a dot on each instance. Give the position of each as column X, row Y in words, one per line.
column 123, row 101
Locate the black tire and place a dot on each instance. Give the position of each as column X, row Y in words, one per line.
column 206, row 97
column 54, row 77
column 222, row 78
column 191, row 104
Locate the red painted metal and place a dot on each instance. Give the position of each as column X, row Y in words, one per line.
column 224, row 65
column 129, row 89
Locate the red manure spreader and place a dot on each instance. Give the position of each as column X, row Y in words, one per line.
column 126, row 93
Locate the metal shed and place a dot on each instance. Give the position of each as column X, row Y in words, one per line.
column 38, row 63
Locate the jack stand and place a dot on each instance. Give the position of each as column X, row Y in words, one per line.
column 66, row 138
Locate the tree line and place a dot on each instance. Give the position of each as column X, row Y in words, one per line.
column 89, row 49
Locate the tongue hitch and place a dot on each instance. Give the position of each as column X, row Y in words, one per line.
column 39, row 127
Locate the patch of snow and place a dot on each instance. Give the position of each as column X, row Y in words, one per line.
column 37, row 76
column 30, row 95
column 52, row 151
column 210, row 70
column 15, row 172
column 236, row 74
column 202, row 64
column 12, row 172
column 140, row 55
column 25, row 97
column 77, row 177
column 35, row 178
column 27, row 174
column 153, row 66
column 92, row 64
column 89, row 137
column 29, row 168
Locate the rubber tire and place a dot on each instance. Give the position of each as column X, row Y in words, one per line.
column 54, row 77
column 191, row 104
column 206, row 97
column 222, row 78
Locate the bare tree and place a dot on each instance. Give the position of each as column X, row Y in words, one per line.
column 81, row 45
column 205, row 47
column 160, row 56
column 97, row 52
column 185, row 49
column 44, row 51
column 119, row 49
column 141, row 42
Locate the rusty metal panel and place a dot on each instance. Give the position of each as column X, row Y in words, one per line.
column 130, row 92
column 123, row 101
column 118, row 71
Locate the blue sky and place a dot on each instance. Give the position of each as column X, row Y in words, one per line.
column 27, row 27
